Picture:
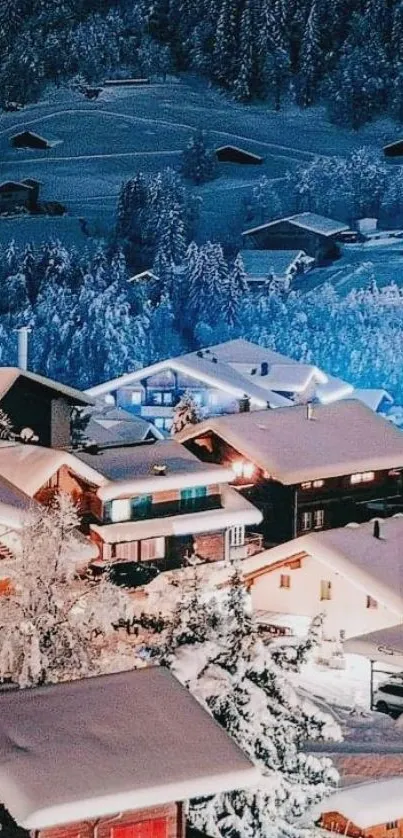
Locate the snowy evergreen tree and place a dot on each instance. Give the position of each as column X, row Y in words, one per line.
column 186, row 412
column 214, row 648
column 198, row 161
column 310, row 59
column 49, row 618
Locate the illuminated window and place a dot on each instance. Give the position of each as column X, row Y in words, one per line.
column 317, row 484
column 243, row 469
column 325, row 590
column 120, row 510
column 306, row 485
column 285, row 581
column 319, row 518
column 371, row 603
column 136, row 397
column 362, row 477
column 306, row 521
column 155, row 828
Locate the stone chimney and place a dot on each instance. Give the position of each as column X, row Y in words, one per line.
column 376, row 530
column 244, row 404
column 264, row 368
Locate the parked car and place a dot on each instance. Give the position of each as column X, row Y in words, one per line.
column 132, row 574
column 388, row 698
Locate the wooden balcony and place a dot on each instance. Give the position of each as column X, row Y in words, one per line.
column 253, row 544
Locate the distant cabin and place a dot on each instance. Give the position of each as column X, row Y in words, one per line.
column 394, row 149
column 17, row 194
column 281, row 265
column 232, row 154
column 144, row 276
column 315, row 234
column 28, row 139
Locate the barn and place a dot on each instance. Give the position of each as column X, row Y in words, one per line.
column 28, row 139
column 315, row 234
column 394, row 149
column 233, row 154
column 14, row 195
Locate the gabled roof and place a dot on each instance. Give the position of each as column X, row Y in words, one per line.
column 244, row 151
column 234, row 367
column 311, row 221
column 110, row 425
column 367, row 804
column 385, row 645
column 130, row 468
column 342, row 438
column 265, row 263
column 371, row 564
column 371, row 397
column 143, row 275
column 29, row 467
column 27, row 133
column 97, row 746
column 9, row 375
column 13, row 184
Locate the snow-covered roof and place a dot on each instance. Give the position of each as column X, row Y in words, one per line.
column 235, row 511
column 13, row 184
column 244, row 151
column 372, row 398
column 29, row 467
column 366, row 805
column 111, row 425
column 94, row 747
column 9, row 375
column 130, row 468
column 143, row 275
column 233, row 367
column 307, row 220
column 385, row 645
column 29, row 134
column 341, row 438
column 265, row 263
column 371, row 564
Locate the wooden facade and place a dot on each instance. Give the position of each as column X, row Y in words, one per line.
column 29, row 403
column 159, row 822
column 284, row 235
column 291, row 511
column 341, row 825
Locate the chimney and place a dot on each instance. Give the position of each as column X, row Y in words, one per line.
column 244, row 404
column 377, row 530
column 309, row 411
column 159, row 469
column 264, row 368
column 23, row 333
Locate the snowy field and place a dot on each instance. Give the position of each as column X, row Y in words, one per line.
column 100, row 144
column 358, row 265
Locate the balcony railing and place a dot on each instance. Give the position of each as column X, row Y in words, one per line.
column 253, row 544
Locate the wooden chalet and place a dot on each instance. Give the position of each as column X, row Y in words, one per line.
column 154, row 502
column 307, row 467
column 39, row 404
column 366, row 810
column 111, row 757
column 233, row 154
column 315, row 234
column 28, row 139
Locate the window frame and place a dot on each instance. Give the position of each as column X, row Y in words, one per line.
column 285, row 581
column 326, row 594
column 308, row 518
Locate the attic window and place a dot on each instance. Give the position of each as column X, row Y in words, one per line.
column 306, row 485
column 371, row 602
column 317, row 484
column 243, row 469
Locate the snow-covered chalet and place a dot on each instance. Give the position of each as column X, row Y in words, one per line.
column 115, row 756
column 155, row 502
column 225, row 378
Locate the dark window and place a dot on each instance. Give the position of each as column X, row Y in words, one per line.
column 141, row 506
column 190, row 497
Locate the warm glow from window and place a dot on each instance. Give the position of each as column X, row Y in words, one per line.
column 243, row 469
column 120, row 510
column 318, row 484
column 362, row 477
column 306, row 485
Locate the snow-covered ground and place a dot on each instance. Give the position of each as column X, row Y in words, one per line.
column 102, row 143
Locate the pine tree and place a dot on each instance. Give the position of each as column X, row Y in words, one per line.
column 186, row 413
column 198, row 161
column 225, row 44
column 214, row 648
column 310, row 59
